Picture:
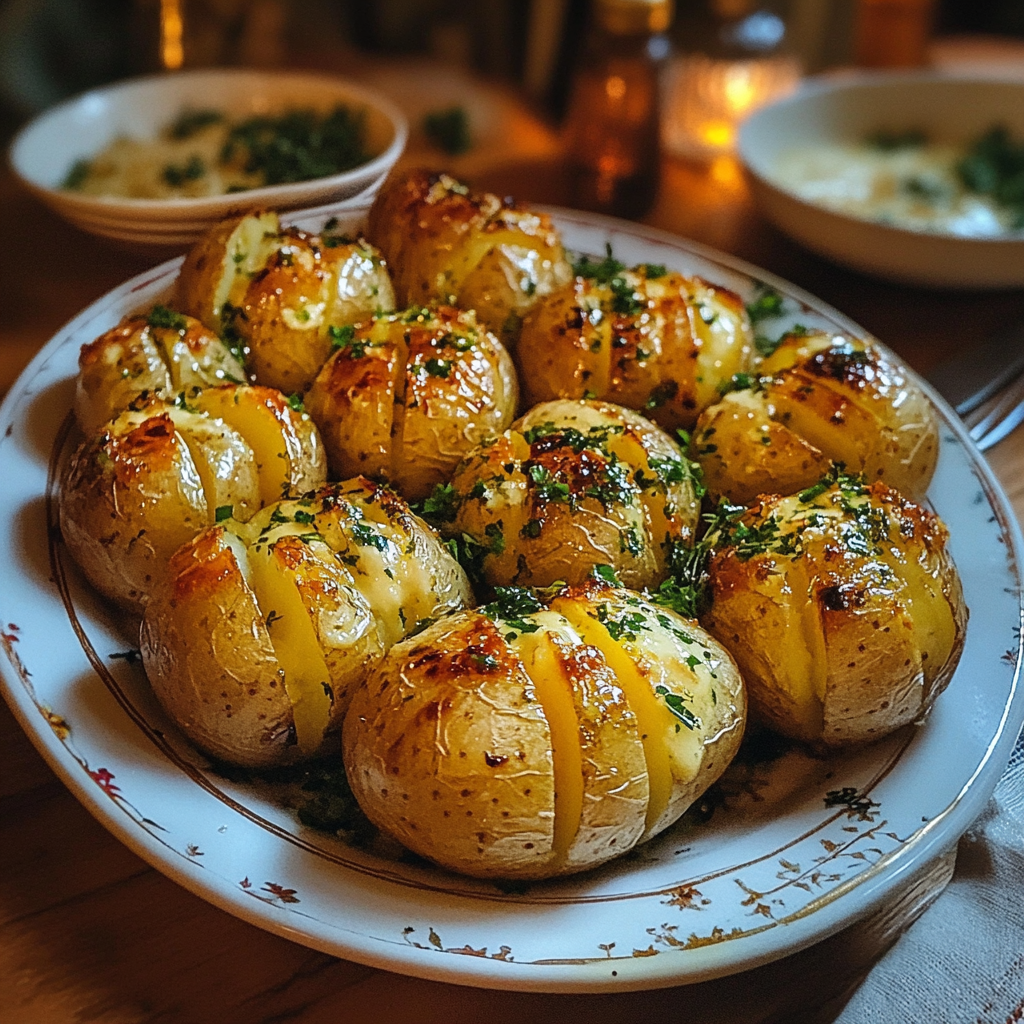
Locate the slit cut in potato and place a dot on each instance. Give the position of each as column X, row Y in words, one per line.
column 161, row 471
column 859, row 581
column 306, row 678
column 156, row 355
column 630, row 713
column 651, row 715
column 290, row 456
column 267, row 628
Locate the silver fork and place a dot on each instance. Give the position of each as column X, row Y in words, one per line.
column 986, row 385
column 991, row 421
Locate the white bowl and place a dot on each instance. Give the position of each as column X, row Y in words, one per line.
column 43, row 152
column 846, row 110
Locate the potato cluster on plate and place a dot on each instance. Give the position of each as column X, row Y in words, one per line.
column 411, row 500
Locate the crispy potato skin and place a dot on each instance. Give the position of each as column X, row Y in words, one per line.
column 279, row 291
column 473, row 250
column 860, row 579
column 137, row 359
column 430, row 766
column 210, row 641
column 157, row 474
column 509, row 747
column 658, row 342
column 133, row 495
column 820, row 399
column 411, row 393
column 205, row 616
column 573, row 485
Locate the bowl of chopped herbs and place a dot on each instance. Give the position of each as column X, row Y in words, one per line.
column 156, row 161
column 912, row 176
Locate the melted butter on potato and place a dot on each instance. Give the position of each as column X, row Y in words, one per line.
column 572, row 485
column 163, row 470
column 646, row 338
column 156, row 355
column 267, row 628
column 407, row 395
column 858, row 581
column 543, row 734
column 447, row 244
column 817, row 399
column 279, row 292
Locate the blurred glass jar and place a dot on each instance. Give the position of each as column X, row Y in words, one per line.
column 613, row 120
column 730, row 57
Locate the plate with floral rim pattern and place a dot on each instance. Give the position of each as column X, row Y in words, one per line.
column 793, row 848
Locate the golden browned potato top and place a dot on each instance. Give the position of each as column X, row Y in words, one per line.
column 818, row 398
column 446, row 243
column 157, row 354
column 571, row 486
column 406, row 395
column 647, row 338
column 841, row 605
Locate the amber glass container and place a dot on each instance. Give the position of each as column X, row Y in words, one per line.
column 612, row 133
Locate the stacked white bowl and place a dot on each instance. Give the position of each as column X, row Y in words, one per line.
column 45, row 150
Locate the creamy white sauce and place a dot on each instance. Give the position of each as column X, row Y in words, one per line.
column 915, row 187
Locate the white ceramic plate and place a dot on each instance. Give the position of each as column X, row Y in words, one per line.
column 847, row 109
column 798, row 848
column 43, row 152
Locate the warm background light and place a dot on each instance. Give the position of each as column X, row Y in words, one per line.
column 706, row 99
column 172, row 51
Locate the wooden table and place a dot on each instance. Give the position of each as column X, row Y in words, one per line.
column 88, row 932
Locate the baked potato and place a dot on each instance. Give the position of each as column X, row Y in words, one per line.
column 406, row 395
column 263, row 630
column 647, row 338
column 279, row 293
column 571, row 485
column 446, row 244
column 817, row 399
column 160, row 354
column 160, row 472
column 841, row 606
column 539, row 736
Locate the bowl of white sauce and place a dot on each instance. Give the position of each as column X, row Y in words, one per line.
column 912, row 176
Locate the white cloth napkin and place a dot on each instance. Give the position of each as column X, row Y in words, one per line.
column 963, row 961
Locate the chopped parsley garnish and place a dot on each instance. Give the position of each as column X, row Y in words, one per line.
column 994, row 166
column 441, row 505
column 654, row 270
column 188, row 122
column 223, row 512
column 606, row 574
column 295, row 403
column 470, row 552
column 77, row 174
column 342, row 337
column 676, row 705
column 177, row 174
column 767, row 304
column 739, row 382
column 546, row 486
column 298, row 145
column 438, row 367
column 449, row 129
column 511, row 605
column 367, row 537
column 887, row 141
column 161, row 316
column 601, row 271
column 625, row 625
